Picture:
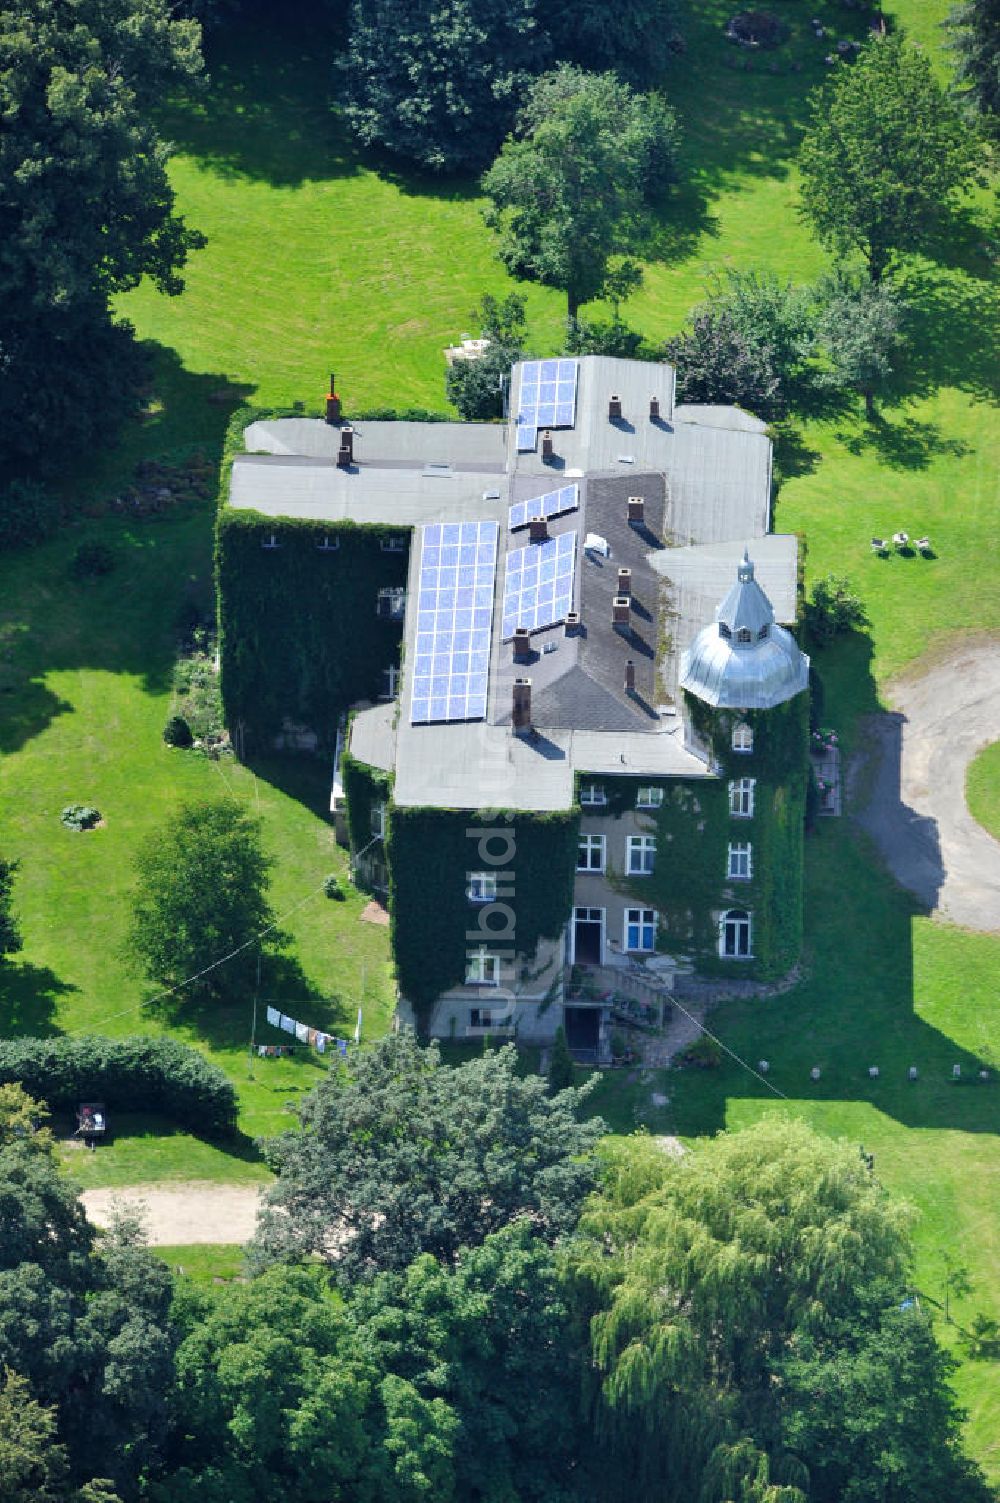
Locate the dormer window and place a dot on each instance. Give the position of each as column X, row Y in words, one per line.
column 764, row 632
column 724, row 630
column 743, row 635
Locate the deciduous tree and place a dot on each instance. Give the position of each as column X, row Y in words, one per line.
column 201, row 895
column 885, row 155
column 400, row 1155
column 478, row 387
column 638, row 40
column 859, row 328
column 10, row 933
column 572, row 191
column 975, row 41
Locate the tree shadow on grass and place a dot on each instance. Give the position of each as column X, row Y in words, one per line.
column 951, row 325
column 29, row 999
column 906, row 444
column 856, row 1007
column 124, row 622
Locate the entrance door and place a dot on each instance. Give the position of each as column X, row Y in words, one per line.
column 588, row 936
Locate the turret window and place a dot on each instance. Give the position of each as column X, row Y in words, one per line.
column 764, row 632
column 743, row 634
column 724, row 630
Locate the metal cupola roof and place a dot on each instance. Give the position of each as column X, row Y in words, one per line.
column 744, row 660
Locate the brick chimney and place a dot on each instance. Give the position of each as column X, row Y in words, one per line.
column 614, row 407
column 547, row 450
column 573, row 623
column 522, row 644
column 521, row 706
column 345, row 457
column 636, row 510
column 624, row 580
column 621, row 611
column 654, row 409
column 538, row 529
column 332, row 401
column 629, row 676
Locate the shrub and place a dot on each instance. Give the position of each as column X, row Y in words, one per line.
column 80, row 816
column 177, row 732
column 130, row 1074
column 333, row 889
column 561, row 1071
column 91, row 560
column 703, row 1054
column 28, row 513
column 834, row 609
column 761, row 27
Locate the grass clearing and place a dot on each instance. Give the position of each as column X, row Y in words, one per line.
column 319, row 257
column 982, row 788
column 205, row 1262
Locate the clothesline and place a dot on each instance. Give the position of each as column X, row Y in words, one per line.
column 316, row 1038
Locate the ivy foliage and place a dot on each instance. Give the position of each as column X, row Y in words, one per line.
column 364, row 787
column 431, row 852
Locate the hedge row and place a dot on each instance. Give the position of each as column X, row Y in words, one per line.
column 137, row 1074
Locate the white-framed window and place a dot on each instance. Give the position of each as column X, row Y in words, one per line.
column 593, row 794
column 590, row 853
column 272, row 542
column 764, row 632
column 328, row 545
column 640, row 929
column 482, row 887
column 743, row 634
column 741, row 797
column 482, row 968
column 394, row 544
column 378, row 820
column 739, row 865
column 391, row 603
column 734, row 935
column 640, row 855
column 742, row 737
column 390, row 682
column 649, row 798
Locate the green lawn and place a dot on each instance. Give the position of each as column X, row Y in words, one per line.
column 205, row 1262
column 318, row 258
column 982, row 788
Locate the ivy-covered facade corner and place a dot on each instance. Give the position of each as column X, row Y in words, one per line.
column 586, row 771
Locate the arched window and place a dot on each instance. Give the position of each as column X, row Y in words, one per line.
column 743, row 634
column 742, row 737
column 734, row 935
column 724, row 630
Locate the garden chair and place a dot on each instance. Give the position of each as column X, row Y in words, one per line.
column 901, row 540
column 923, row 545
column 878, row 545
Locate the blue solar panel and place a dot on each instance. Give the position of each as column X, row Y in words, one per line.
column 552, row 504
column 451, row 652
column 538, row 587
column 547, row 398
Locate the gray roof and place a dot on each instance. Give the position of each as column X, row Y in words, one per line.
column 756, row 674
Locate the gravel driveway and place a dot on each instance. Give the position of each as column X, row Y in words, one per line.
column 910, row 775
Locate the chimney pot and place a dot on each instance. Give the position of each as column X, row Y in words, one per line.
column 654, row 408
column 546, row 444
column 614, row 407
column 573, row 623
column 621, row 611
column 522, row 644
column 332, row 406
column 345, row 458
column 629, row 676
column 636, row 510
column 624, row 581
column 538, row 529
column 521, row 705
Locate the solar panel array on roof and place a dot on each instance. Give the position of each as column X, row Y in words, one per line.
column 538, row 587
column 547, row 398
column 451, row 656
column 552, row 504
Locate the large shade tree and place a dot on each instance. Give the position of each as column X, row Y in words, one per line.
column 400, row 1155
column 742, row 1301
column 86, row 208
column 975, row 40
column 573, row 191
column 885, row 154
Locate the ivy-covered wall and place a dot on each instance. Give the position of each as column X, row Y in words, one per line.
column 693, row 828
column 363, row 786
column 299, row 637
column 430, row 854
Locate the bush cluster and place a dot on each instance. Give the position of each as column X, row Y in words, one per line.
column 135, row 1074
column 29, row 512
column 80, row 816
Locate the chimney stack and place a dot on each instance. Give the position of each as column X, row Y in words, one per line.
column 521, row 706
column 654, row 409
column 573, row 623
column 629, row 676
column 636, row 511
column 538, row 529
column 345, row 457
column 546, row 445
column 522, row 644
column 624, row 581
column 621, row 611
column 332, row 403
column 614, row 407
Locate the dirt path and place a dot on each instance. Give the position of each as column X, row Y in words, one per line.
column 184, row 1213
column 911, row 777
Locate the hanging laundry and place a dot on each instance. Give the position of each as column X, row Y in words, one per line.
column 313, row 1036
column 357, row 1028
column 321, row 1041
column 342, row 1048
column 287, row 1024
column 302, row 1033
column 274, row 1017
column 261, row 1051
